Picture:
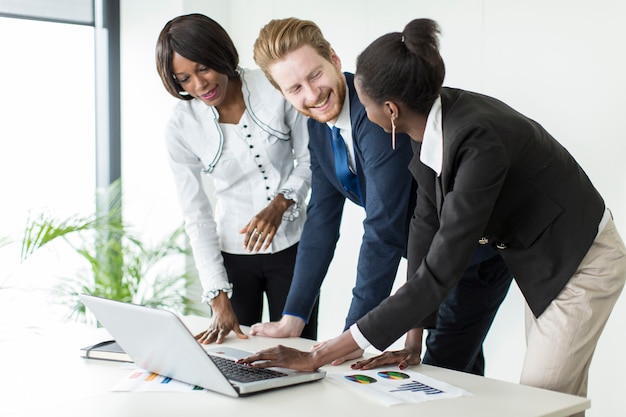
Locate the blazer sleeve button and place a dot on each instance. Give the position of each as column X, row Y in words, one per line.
column 501, row 245
column 483, row 240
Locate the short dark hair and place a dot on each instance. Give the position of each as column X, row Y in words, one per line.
column 404, row 66
column 199, row 39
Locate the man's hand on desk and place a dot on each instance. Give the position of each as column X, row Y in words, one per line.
column 327, row 352
column 411, row 355
column 288, row 326
column 223, row 322
column 356, row 354
column 403, row 358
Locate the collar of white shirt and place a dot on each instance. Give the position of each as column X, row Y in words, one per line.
column 432, row 143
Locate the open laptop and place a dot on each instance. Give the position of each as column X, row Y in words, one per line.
column 158, row 341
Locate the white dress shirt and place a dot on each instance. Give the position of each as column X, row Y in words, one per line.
column 249, row 163
column 431, row 153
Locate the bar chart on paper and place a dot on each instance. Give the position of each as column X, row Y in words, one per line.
column 390, row 387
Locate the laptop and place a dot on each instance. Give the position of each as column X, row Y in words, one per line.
column 158, row 341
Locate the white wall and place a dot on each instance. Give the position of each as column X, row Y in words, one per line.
column 560, row 62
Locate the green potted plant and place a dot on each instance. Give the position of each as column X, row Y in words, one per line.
column 115, row 263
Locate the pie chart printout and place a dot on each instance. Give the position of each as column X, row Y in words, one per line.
column 393, row 375
column 361, row 379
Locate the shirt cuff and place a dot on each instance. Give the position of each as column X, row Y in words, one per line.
column 208, row 295
column 358, row 337
column 606, row 216
column 293, row 212
column 286, row 313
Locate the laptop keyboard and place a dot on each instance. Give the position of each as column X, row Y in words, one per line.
column 243, row 373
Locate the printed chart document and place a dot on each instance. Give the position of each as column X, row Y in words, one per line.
column 384, row 386
column 391, row 387
column 140, row 380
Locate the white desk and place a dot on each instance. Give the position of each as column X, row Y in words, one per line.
column 43, row 375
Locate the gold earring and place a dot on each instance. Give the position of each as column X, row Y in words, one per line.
column 393, row 132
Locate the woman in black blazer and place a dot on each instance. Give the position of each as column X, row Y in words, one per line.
column 485, row 174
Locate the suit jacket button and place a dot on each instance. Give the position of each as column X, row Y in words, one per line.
column 483, row 240
column 501, row 245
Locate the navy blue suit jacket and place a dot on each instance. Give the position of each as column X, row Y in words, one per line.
column 384, row 179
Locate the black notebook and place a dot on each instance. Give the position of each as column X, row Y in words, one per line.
column 108, row 350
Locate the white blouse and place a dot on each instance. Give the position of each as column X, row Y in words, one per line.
column 249, row 163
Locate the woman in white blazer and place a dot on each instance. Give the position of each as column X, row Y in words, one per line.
column 232, row 125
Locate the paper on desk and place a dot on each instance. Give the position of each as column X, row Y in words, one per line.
column 391, row 387
column 140, row 380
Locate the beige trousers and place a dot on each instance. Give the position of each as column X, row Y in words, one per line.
column 561, row 342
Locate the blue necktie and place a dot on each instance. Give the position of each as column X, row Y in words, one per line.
column 346, row 177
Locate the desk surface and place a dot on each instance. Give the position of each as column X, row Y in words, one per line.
column 43, row 374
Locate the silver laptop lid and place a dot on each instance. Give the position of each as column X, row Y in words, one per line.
column 158, row 341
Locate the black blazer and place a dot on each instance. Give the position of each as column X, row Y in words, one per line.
column 505, row 182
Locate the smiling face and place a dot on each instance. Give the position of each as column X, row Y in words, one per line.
column 200, row 81
column 312, row 84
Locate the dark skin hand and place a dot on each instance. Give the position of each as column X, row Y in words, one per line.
column 286, row 357
column 411, row 355
column 261, row 229
column 283, row 357
column 223, row 322
column 353, row 355
column 260, row 232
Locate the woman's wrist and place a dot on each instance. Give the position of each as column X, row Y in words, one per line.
column 287, row 200
column 283, row 202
